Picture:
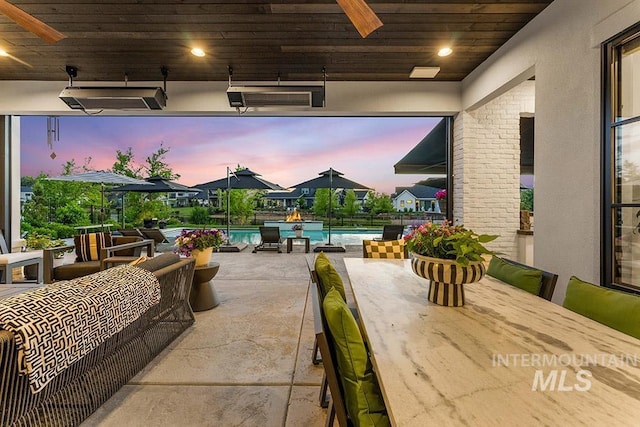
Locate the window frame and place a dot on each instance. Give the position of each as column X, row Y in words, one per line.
column 610, row 93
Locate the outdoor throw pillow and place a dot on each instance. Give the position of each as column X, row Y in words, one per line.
column 328, row 276
column 138, row 260
column 525, row 278
column 362, row 394
column 384, row 249
column 618, row 310
column 89, row 245
column 160, row 261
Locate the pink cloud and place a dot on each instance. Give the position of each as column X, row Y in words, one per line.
column 285, row 150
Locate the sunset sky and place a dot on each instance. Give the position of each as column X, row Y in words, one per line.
column 284, row 150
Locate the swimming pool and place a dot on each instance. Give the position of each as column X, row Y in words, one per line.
column 341, row 237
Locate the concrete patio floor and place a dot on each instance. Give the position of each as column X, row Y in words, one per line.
column 246, row 362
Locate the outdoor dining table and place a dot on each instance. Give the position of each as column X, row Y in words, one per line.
column 506, row 357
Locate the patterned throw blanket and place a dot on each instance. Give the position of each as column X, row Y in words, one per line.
column 56, row 325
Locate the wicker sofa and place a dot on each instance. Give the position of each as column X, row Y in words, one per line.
column 85, row 385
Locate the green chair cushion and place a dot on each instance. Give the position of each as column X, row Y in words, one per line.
column 328, row 275
column 363, row 398
column 618, row 310
column 525, row 278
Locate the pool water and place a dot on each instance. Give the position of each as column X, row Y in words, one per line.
column 341, row 237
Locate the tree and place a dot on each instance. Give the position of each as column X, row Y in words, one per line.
column 379, row 203
column 124, row 164
column 351, row 205
column 321, row 202
column 526, row 199
column 242, row 203
column 27, row 181
column 157, row 166
column 137, row 208
column 301, row 202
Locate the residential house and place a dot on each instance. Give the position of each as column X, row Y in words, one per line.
column 418, row 198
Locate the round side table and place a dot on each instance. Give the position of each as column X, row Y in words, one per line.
column 203, row 295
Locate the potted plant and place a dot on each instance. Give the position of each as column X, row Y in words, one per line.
column 35, row 241
column 449, row 256
column 441, row 197
column 199, row 243
column 298, row 229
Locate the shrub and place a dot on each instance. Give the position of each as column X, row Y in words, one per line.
column 72, row 214
column 63, row 231
column 44, row 231
column 199, row 215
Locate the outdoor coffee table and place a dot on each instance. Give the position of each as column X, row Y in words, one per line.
column 203, row 295
column 290, row 243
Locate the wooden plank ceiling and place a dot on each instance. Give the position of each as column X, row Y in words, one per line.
column 260, row 39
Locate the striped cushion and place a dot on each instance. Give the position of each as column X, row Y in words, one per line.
column 88, row 245
column 384, row 249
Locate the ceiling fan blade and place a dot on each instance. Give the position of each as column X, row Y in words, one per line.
column 30, row 23
column 361, row 16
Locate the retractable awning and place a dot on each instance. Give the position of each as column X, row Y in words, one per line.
column 429, row 156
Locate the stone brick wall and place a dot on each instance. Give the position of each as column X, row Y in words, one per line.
column 486, row 162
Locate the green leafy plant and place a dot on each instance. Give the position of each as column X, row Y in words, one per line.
column 36, row 241
column 447, row 241
column 42, row 241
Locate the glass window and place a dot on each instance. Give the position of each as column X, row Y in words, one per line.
column 621, row 161
column 629, row 79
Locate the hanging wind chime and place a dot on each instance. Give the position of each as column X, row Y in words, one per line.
column 53, row 133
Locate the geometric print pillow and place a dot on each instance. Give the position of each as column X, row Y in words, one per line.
column 384, row 249
column 88, row 245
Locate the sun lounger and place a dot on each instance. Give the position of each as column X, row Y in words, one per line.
column 391, row 232
column 271, row 240
column 155, row 234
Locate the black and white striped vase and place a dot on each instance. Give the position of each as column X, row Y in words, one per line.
column 446, row 277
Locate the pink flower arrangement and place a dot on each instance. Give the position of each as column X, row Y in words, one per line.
column 447, row 241
column 189, row 240
column 441, row 194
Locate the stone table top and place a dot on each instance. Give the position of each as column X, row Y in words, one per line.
column 505, row 358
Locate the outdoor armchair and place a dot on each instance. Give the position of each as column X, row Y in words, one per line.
column 123, row 247
column 11, row 260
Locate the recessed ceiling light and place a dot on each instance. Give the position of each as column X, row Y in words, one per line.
column 196, row 51
column 3, row 53
column 445, row 51
column 424, row 72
